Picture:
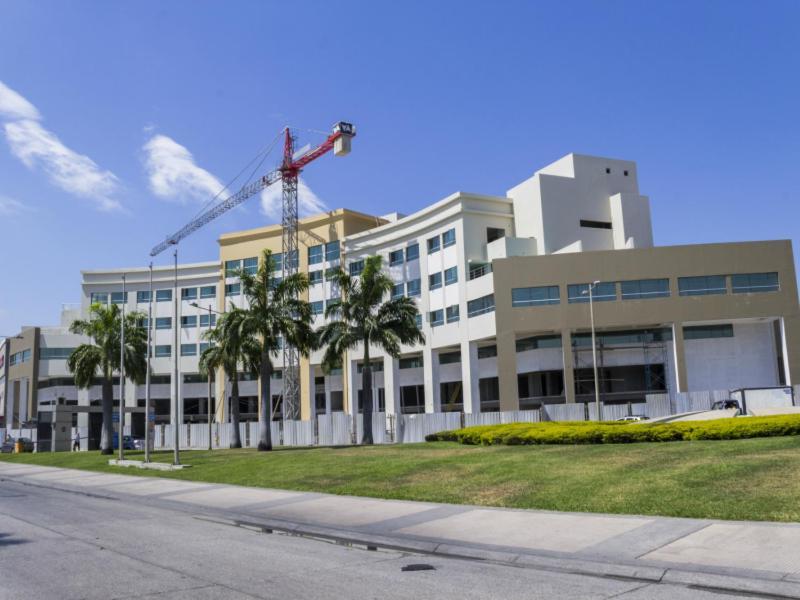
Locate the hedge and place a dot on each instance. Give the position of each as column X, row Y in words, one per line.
column 621, row 432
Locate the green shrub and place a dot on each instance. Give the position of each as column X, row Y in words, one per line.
column 588, row 432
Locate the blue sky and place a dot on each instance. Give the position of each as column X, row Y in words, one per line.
column 118, row 119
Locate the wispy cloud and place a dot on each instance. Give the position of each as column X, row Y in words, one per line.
column 173, row 173
column 308, row 203
column 9, row 207
column 39, row 148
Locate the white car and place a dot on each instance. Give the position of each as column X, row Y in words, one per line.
column 631, row 418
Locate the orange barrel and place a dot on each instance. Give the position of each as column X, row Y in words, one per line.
column 18, row 446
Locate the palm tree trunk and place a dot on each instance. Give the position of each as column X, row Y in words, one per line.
column 107, row 431
column 366, row 392
column 236, row 439
column 265, row 415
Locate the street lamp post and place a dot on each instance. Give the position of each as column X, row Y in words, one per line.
column 176, row 371
column 120, row 436
column 147, row 373
column 594, row 349
column 210, row 310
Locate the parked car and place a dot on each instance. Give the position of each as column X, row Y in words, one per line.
column 634, row 418
column 10, row 443
column 138, row 443
column 726, row 404
column 127, row 442
column 8, row 446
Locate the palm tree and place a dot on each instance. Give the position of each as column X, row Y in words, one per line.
column 226, row 351
column 101, row 357
column 275, row 313
column 362, row 317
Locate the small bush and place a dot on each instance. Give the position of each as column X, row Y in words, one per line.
column 588, row 432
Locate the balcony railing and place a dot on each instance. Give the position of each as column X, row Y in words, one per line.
column 480, row 271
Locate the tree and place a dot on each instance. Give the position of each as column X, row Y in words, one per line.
column 226, row 350
column 101, row 357
column 276, row 314
column 362, row 317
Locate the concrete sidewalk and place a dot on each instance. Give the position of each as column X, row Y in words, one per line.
column 761, row 558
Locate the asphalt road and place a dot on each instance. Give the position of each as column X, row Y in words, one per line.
column 64, row 545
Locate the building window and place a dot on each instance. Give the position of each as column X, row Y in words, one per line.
column 208, row 320
column 188, row 293
column 232, row 267
column 535, row 296
column 232, row 289
column 487, row 351
column 494, row 233
column 163, row 322
column 317, row 307
column 644, row 289
column 315, row 254
column 448, row 238
column 418, row 320
column 55, row 353
column 435, row 281
column 434, row 244
column 332, row 250
column 412, row 252
column 411, row 362
column 251, row 265
column 204, row 346
column 412, row 399
column 208, row 291
column 452, row 313
column 396, row 258
column 703, row 332
column 538, row 342
column 189, row 321
column 188, row 349
column 142, row 297
column 117, row 298
column 376, row 365
column 707, row 285
column 751, row 283
column 480, row 306
column 436, row 317
column 602, row 292
column 356, row 267
column 595, row 224
column 450, row 275
column 99, row 298
column 331, row 273
column 163, row 295
column 314, row 277
column 397, row 291
column 163, row 351
column 449, row 358
column 413, row 288
column 628, row 338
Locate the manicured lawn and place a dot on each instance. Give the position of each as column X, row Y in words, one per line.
column 740, row 479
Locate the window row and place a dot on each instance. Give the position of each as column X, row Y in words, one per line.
column 19, row 357
column 407, row 254
column 165, row 350
column 320, row 252
column 55, row 353
column 448, row 238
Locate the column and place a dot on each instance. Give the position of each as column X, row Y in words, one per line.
column 391, row 384
column 430, row 358
column 790, row 336
column 327, row 394
column 353, row 381
column 569, row 365
column 470, row 377
column 679, row 358
column 308, row 400
column 507, row 371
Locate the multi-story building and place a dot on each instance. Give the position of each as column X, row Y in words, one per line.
column 502, row 286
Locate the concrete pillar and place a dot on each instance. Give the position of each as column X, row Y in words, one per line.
column 679, row 358
column 569, row 365
column 307, row 392
column 507, row 371
column 391, row 384
column 430, row 366
column 353, row 380
column 327, row 394
column 790, row 338
column 469, row 377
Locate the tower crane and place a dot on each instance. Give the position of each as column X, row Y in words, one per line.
column 288, row 173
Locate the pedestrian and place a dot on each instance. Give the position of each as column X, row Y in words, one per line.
column 76, row 442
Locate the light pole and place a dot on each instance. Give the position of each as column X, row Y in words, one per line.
column 210, row 310
column 120, row 435
column 594, row 348
column 147, row 373
column 176, row 371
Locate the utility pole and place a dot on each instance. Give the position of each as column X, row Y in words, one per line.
column 176, row 372
column 120, row 436
column 594, row 351
column 209, row 375
column 147, row 373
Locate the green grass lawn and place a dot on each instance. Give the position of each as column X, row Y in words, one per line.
column 740, row 479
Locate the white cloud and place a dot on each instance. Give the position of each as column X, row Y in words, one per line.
column 14, row 106
column 308, row 203
column 174, row 175
column 38, row 147
column 10, row 207
column 75, row 173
